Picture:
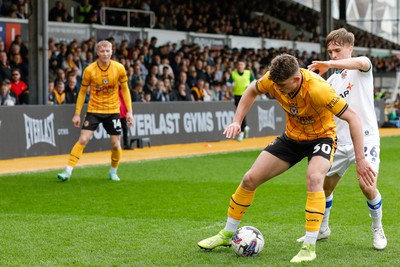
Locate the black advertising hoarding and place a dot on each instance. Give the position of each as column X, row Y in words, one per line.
column 28, row 131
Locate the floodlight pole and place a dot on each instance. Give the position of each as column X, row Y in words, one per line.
column 326, row 28
column 38, row 48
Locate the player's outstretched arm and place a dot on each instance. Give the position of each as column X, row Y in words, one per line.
column 354, row 63
column 244, row 106
column 365, row 173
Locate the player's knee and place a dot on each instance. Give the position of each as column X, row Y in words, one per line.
column 84, row 140
column 249, row 182
column 315, row 181
column 368, row 191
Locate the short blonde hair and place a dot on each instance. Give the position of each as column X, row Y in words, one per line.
column 103, row 43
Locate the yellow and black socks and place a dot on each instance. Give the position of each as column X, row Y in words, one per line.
column 115, row 158
column 315, row 208
column 76, row 154
column 239, row 203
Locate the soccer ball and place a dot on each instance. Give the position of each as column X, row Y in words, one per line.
column 247, row 241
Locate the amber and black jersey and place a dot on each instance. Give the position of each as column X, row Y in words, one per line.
column 310, row 109
column 104, row 84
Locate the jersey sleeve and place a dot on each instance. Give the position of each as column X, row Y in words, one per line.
column 265, row 85
column 325, row 95
column 123, row 78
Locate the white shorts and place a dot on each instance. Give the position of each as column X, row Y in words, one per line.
column 344, row 157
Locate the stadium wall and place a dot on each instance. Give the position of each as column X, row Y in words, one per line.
column 28, row 131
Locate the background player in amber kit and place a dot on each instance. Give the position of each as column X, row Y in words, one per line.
column 104, row 77
column 310, row 104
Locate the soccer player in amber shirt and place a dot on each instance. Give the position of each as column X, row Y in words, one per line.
column 103, row 77
column 310, row 105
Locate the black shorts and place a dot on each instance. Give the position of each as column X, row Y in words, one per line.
column 111, row 122
column 292, row 151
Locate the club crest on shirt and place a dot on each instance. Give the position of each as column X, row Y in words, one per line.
column 293, row 110
column 105, row 81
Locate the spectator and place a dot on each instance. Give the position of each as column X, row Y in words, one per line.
column 61, row 75
column 143, row 69
column 199, row 69
column 71, row 90
column 68, row 62
column 59, row 93
column 18, row 63
column 74, row 72
column 165, row 69
column 226, row 93
column 7, row 98
column 180, row 94
column 208, row 94
column 5, row 68
column 176, row 64
column 23, row 47
column 59, row 13
column 20, row 13
column 166, row 74
column 136, row 76
column 17, row 85
column 168, row 85
column 137, row 94
column 198, row 91
column 160, row 94
column 93, row 17
column 192, row 77
column 153, row 71
column 84, row 11
column 51, row 98
column 88, row 59
column 183, row 80
column 147, row 97
column 151, row 84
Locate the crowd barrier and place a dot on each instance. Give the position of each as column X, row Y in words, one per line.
column 35, row 130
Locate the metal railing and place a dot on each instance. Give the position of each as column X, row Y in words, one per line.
column 151, row 14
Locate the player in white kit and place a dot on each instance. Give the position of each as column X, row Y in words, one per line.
column 353, row 81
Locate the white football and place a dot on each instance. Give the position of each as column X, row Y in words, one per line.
column 247, row 241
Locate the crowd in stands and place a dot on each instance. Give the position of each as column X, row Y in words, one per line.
column 243, row 18
column 166, row 72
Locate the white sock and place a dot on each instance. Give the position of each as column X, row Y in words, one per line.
column 328, row 207
column 113, row 170
column 69, row 169
column 375, row 210
column 231, row 224
column 311, row 237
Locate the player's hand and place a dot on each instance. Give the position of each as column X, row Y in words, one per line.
column 76, row 120
column 365, row 173
column 320, row 66
column 129, row 118
column 232, row 130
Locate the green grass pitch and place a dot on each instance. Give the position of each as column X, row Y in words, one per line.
column 160, row 210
